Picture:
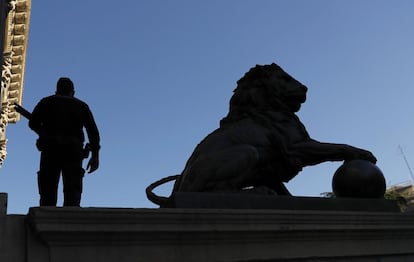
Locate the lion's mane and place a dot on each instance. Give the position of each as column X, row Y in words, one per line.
column 264, row 88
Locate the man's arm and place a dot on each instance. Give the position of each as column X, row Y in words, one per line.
column 94, row 141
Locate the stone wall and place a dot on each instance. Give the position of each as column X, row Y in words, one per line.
column 13, row 238
column 126, row 234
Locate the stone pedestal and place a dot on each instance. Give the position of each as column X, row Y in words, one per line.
column 13, row 238
column 254, row 201
column 3, row 203
column 99, row 234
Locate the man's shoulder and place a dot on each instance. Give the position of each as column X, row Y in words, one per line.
column 56, row 102
column 63, row 99
column 47, row 98
column 80, row 103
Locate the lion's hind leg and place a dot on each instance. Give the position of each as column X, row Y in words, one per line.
column 225, row 170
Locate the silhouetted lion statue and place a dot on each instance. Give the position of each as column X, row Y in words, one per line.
column 260, row 144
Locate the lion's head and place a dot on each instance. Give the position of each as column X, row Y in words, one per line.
column 266, row 88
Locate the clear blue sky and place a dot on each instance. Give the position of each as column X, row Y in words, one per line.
column 158, row 76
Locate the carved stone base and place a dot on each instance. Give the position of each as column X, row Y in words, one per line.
column 98, row 234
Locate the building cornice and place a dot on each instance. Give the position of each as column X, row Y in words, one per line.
column 15, row 48
column 16, row 31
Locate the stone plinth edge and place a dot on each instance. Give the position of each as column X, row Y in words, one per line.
column 254, row 201
column 108, row 234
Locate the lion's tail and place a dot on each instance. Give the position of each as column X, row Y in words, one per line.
column 160, row 200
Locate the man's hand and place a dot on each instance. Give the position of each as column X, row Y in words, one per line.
column 93, row 164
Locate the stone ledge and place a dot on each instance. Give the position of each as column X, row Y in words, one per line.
column 255, row 201
column 112, row 234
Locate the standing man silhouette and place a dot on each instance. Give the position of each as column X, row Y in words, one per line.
column 59, row 121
